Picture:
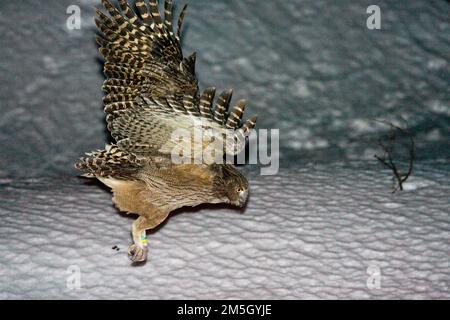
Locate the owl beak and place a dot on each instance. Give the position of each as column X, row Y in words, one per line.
column 242, row 198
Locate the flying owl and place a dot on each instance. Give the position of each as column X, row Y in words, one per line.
column 151, row 91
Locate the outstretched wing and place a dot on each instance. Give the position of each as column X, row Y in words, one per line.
column 111, row 162
column 152, row 94
column 143, row 53
column 164, row 125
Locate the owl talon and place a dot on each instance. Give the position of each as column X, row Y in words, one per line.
column 137, row 253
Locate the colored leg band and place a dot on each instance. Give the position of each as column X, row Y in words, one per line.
column 144, row 240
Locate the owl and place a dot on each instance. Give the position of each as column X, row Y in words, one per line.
column 151, row 92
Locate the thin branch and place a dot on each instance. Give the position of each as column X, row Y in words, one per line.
column 387, row 158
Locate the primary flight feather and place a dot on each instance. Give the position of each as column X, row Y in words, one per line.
column 151, row 92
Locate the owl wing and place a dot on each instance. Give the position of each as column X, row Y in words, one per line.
column 164, row 126
column 142, row 52
column 111, row 162
column 151, row 90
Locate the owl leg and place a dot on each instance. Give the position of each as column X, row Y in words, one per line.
column 139, row 249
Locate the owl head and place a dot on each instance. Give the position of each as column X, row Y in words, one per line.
column 231, row 184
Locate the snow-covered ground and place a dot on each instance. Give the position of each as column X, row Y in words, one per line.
column 326, row 226
column 317, row 232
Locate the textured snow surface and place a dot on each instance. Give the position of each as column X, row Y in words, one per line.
column 309, row 68
column 309, row 233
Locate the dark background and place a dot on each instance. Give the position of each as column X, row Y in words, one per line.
column 309, row 68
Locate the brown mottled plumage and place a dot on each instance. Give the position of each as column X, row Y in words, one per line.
column 151, row 91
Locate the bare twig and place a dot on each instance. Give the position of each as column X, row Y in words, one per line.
column 387, row 158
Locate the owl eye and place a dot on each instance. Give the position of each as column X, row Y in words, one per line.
column 239, row 189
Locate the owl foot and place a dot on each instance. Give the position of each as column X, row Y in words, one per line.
column 137, row 253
